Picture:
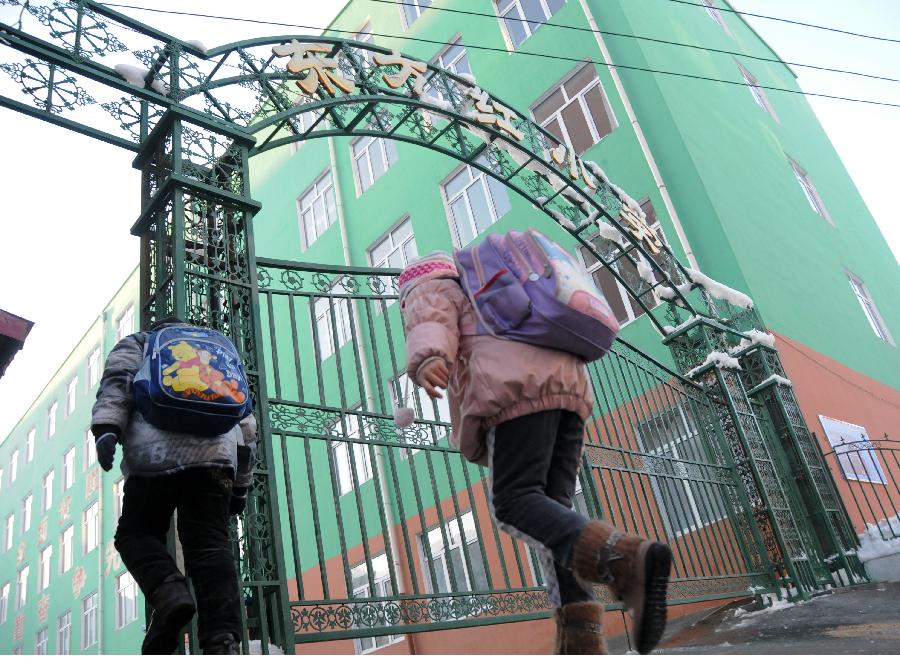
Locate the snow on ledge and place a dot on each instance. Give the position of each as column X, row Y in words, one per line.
column 132, row 74
column 720, row 290
column 720, row 359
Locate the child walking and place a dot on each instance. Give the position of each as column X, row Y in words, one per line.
column 520, row 409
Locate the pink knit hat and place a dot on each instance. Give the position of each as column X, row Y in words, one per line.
column 436, row 265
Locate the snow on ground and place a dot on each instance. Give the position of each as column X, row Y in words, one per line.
column 256, row 648
column 881, row 539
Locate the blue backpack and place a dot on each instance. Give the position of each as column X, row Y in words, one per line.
column 192, row 381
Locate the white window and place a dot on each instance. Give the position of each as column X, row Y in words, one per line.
column 29, row 440
column 8, row 533
column 405, row 393
column 316, row 210
column 125, row 323
column 756, row 91
column 454, row 59
column 89, row 606
column 412, row 10
column 372, row 156
column 90, row 527
column 64, row 634
column 94, row 367
column 22, row 587
column 379, row 586
column 44, row 568
column 4, row 602
column 26, row 512
column 809, row 190
column 70, row 395
column 332, row 316
column 623, row 305
column 474, row 201
column 577, row 112
column 304, row 120
column 869, row 309
column 458, row 562
column 40, row 642
column 716, row 15
column 521, row 18
column 345, row 465
column 66, row 549
column 396, row 248
column 126, row 600
column 47, row 491
column 51, row 420
column 119, row 496
column 68, row 468
column 90, row 449
column 13, row 466
column 685, row 505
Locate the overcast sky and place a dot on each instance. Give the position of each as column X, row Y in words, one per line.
column 69, row 201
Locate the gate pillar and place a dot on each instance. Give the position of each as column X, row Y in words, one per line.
column 198, row 264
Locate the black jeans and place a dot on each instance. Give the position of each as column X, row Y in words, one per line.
column 201, row 497
column 534, row 465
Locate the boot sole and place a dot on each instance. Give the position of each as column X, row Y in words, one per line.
column 166, row 641
column 652, row 624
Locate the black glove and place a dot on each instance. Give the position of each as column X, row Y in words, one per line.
column 238, row 501
column 106, row 449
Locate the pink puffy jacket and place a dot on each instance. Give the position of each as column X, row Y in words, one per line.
column 492, row 380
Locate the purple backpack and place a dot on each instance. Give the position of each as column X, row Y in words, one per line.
column 526, row 287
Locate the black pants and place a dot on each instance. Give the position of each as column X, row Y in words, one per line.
column 534, row 465
column 201, row 497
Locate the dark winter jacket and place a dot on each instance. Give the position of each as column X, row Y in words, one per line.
column 150, row 451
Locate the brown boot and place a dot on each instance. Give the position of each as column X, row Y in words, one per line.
column 636, row 571
column 579, row 629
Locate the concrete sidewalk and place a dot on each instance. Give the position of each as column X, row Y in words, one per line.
column 846, row 621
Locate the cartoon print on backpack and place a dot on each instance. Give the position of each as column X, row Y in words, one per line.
column 193, row 373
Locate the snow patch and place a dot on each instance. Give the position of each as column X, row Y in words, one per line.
column 780, row 380
column 255, row 648
column 427, row 98
column 160, row 86
column 467, row 77
column 880, row 539
column 609, row 232
column 596, row 170
column 132, row 74
column 197, row 44
column 720, row 359
column 562, row 220
column 690, row 321
column 645, row 271
column 720, row 290
column 680, row 291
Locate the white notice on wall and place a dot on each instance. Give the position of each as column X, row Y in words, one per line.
column 856, row 454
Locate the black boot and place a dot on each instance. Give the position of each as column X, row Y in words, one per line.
column 173, row 608
column 222, row 644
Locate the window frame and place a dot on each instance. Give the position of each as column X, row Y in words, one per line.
column 119, row 496
column 402, row 246
column 95, row 364
column 66, row 549
column 389, row 158
column 810, row 192
column 13, row 466
column 339, row 305
column 9, row 530
column 445, row 530
column 126, row 605
column 92, row 531
column 45, row 559
column 522, row 20
column 27, row 512
column 90, row 608
column 68, row 468
column 51, row 419
column 306, row 244
column 64, row 633
column 756, row 90
column 483, row 178
column 403, row 5
column 342, row 445
column 71, row 395
column 383, row 588
column 716, row 16
column 30, row 439
column 125, row 317
column 47, row 490
column 5, row 590
column 450, row 66
column 22, row 587
column 90, row 450
column 870, row 309
column 41, row 640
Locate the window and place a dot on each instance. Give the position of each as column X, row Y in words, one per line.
column 64, row 634
column 578, row 112
column 89, row 607
column 372, row 156
column 22, row 587
column 756, row 91
column 40, row 642
column 8, row 534
column 119, row 496
column 304, row 120
column 90, row 527
column 29, row 440
column 454, row 59
column 855, row 453
column 332, row 316
column 344, row 467
column 51, row 420
column 317, row 210
column 65, row 549
column 68, row 468
column 44, row 568
column 47, row 491
column 809, row 190
column 126, row 600
column 869, row 309
column 685, row 505
column 26, row 512
column 125, row 323
column 4, row 602
column 521, row 18
column 458, row 563
column 13, row 466
column 70, row 395
column 415, row 397
column 362, row 588
column 396, row 248
column 94, row 367
column 716, row 15
column 90, row 449
column 475, row 201
column 412, row 10
column 625, row 307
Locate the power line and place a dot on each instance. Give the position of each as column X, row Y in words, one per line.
column 613, row 33
column 796, row 23
column 519, row 52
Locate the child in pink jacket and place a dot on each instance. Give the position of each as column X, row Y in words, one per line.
column 520, row 409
